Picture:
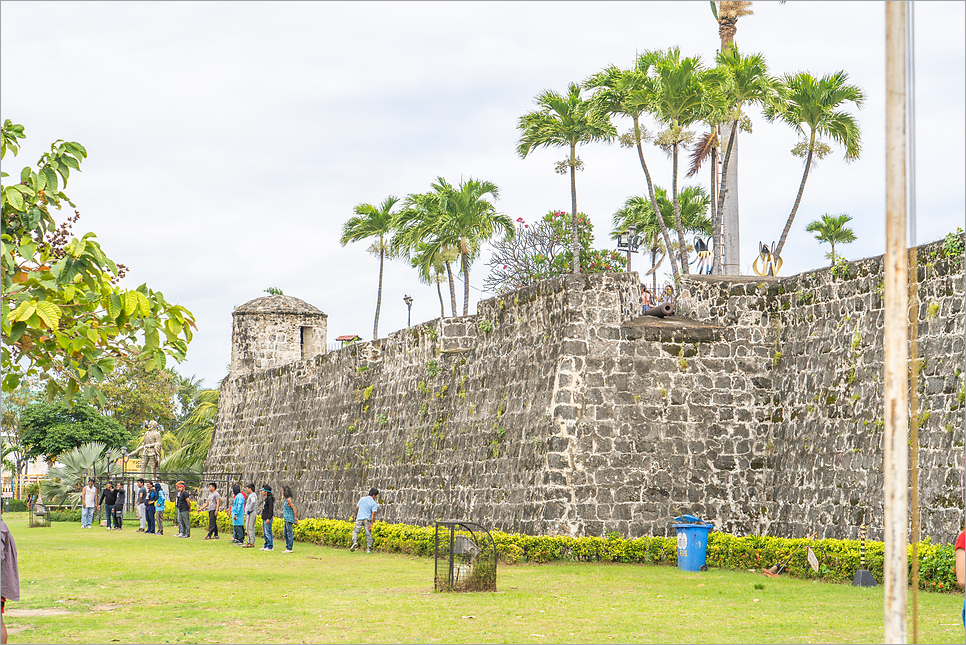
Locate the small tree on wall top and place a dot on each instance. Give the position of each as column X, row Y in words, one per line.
column 542, row 250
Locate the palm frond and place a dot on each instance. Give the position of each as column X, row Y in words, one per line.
column 701, row 151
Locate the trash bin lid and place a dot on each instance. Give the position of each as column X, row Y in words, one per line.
column 691, row 519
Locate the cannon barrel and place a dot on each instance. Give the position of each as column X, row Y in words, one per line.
column 662, row 310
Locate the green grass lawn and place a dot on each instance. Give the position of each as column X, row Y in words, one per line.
column 109, row 586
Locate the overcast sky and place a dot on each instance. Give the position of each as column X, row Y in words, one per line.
column 228, row 142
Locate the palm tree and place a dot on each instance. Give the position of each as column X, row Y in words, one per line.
column 813, row 107
column 460, row 217
column 746, row 82
column 415, row 235
column 194, row 435
column 694, row 202
column 629, row 93
column 684, row 93
column 832, row 230
column 371, row 221
column 431, row 266
column 564, row 121
column 63, row 483
column 726, row 14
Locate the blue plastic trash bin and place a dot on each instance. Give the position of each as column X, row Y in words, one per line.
column 692, row 542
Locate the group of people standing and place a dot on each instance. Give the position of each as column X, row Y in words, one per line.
column 244, row 510
column 150, row 500
column 151, row 497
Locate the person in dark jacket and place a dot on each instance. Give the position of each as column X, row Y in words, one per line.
column 184, row 511
column 149, row 502
column 268, row 514
column 108, row 497
column 118, row 507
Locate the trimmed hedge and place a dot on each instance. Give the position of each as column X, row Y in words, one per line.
column 838, row 559
column 17, row 506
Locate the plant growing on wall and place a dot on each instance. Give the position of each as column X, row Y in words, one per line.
column 832, row 230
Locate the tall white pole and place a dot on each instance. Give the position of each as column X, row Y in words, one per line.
column 895, row 338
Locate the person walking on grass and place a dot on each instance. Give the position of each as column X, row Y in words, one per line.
column 150, row 501
column 108, row 497
column 214, row 505
column 184, row 511
column 159, row 505
column 88, row 504
column 268, row 516
column 238, row 515
column 119, row 507
column 251, row 505
column 365, row 517
column 141, row 496
column 291, row 519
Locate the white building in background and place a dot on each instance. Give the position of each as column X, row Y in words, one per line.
column 36, row 470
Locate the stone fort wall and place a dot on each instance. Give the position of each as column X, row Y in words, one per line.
column 558, row 409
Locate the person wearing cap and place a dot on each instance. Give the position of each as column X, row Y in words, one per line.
column 365, row 517
column 268, row 516
column 88, row 504
column 183, row 511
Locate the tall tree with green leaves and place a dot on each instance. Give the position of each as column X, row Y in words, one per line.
column 373, row 222
column 565, row 121
column 685, row 93
column 416, row 236
column 460, row 217
column 813, row 107
column 194, row 435
column 629, row 93
column 49, row 429
column 832, row 229
column 63, row 313
column 744, row 82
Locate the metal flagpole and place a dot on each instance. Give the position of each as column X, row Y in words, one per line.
column 895, row 339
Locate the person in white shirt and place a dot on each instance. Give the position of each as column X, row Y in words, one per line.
column 88, row 504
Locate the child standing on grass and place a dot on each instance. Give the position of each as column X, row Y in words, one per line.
column 268, row 514
column 291, row 519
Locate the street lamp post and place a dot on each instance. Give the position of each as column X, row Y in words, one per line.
column 629, row 241
column 124, row 475
column 409, row 309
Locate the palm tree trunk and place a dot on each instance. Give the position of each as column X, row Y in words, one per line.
column 452, row 288
column 375, row 324
column 653, row 271
column 439, row 290
column 573, row 208
column 777, row 251
column 728, row 251
column 657, row 212
column 715, row 219
column 833, row 253
column 677, row 210
column 464, row 261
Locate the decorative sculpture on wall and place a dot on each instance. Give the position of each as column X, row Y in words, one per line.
column 705, row 255
column 771, row 263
